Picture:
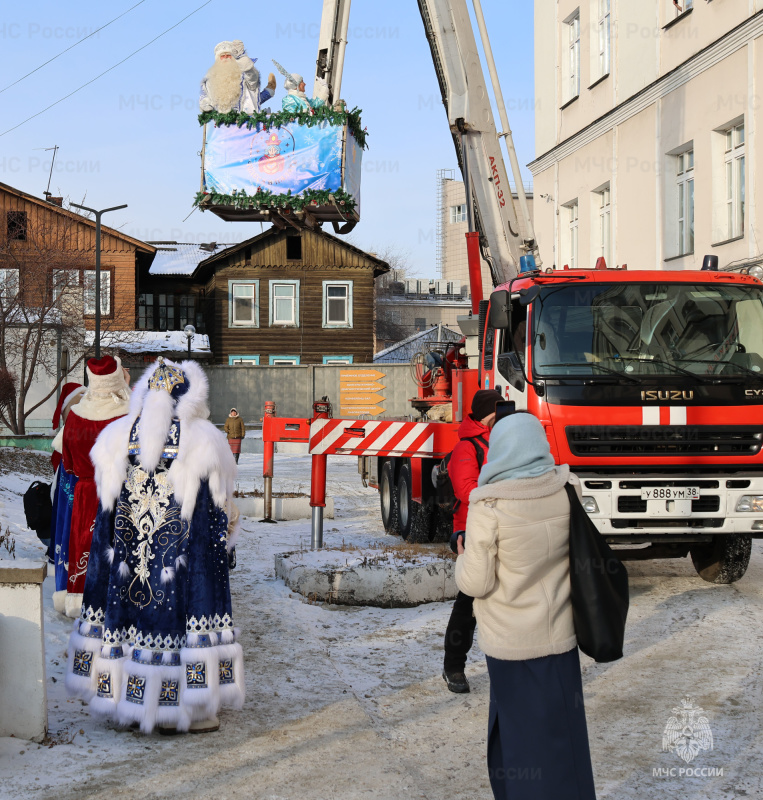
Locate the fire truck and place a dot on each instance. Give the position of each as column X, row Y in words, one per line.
column 649, row 383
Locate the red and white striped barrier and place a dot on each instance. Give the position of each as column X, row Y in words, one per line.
column 350, row 437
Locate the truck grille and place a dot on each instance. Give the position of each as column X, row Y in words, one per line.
column 664, row 440
column 632, row 504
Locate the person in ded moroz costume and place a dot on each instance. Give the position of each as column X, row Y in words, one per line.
column 232, row 83
column 63, row 495
column 105, row 400
column 155, row 642
column 296, row 101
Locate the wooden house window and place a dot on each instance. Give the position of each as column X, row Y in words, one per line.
column 283, row 361
column 294, row 248
column 284, row 303
column 90, row 291
column 9, row 284
column 166, row 308
column 146, row 312
column 337, row 304
column 243, row 304
column 186, row 308
column 243, row 361
column 64, row 280
column 16, row 222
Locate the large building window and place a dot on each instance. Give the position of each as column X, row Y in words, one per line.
column 572, row 61
column 604, row 37
column 186, row 310
column 604, row 229
column 166, row 308
column 337, row 304
column 89, row 286
column 284, row 303
column 243, row 304
column 570, row 246
column 685, row 206
column 16, row 225
column 458, row 213
column 734, row 161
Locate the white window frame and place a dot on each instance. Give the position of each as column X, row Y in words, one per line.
column 685, row 202
column 9, row 283
column 293, row 322
column 88, row 292
column 457, row 214
column 332, row 360
column 682, row 7
column 255, row 320
column 348, row 323
column 604, row 228
column 604, row 34
column 283, row 361
column 734, row 163
column 70, row 281
column 571, row 233
column 246, row 361
column 572, row 56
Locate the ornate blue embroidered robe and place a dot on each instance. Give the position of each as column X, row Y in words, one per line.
column 61, row 521
column 155, row 642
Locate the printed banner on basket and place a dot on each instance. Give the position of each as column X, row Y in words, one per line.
column 294, row 157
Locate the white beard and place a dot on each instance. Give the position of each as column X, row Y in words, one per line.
column 224, row 85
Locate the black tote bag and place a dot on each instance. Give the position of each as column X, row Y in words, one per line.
column 599, row 587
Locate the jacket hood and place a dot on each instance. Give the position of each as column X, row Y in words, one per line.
column 526, row 488
column 519, row 448
column 471, row 427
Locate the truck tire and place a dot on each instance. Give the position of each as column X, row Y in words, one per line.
column 415, row 518
column 724, row 560
column 442, row 525
column 390, row 507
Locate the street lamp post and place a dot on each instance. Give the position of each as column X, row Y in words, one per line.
column 98, row 215
column 189, row 332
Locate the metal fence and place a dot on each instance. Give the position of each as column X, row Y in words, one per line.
column 295, row 388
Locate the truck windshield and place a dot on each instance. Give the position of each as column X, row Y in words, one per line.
column 648, row 329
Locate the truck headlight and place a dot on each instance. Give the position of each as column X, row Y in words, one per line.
column 750, row 502
column 590, row 505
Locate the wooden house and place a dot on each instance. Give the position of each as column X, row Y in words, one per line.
column 37, row 232
column 283, row 297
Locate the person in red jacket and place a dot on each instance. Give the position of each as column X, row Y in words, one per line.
column 464, row 470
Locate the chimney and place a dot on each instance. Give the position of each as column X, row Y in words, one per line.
column 56, row 201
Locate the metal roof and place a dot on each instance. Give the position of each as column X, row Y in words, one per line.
column 402, row 352
column 182, row 258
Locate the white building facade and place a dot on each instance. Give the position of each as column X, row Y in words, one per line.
column 646, row 132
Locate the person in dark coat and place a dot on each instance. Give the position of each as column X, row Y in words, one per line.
column 235, row 431
column 464, row 470
column 516, row 565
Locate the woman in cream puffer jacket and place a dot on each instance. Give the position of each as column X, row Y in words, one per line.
column 515, row 564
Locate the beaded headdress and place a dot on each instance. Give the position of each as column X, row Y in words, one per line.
column 168, row 378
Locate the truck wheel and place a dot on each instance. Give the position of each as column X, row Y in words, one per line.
column 442, row 525
column 390, row 508
column 724, row 560
column 414, row 517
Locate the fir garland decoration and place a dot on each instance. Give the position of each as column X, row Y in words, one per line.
column 264, row 199
column 280, row 118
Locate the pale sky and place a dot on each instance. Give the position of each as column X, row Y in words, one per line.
column 132, row 136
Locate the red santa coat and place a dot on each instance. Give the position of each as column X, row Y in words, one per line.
column 79, row 437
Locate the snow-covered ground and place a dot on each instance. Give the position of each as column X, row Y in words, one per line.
column 346, row 703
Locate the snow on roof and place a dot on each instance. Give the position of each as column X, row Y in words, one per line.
column 182, row 258
column 151, row 341
column 402, row 352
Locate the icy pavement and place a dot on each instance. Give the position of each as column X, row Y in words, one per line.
column 346, row 703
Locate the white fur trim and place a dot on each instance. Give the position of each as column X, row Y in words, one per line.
column 167, row 575
column 204, row 453
column 80, row 685
column 149, row 713
column 99, row 407
column 73, row 605
column 207, row 698
column 57, row 444
column 59, row 601
column 232, row 695
column 524, row 488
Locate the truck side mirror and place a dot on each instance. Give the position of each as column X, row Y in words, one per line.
column 500, row 303
column 509, row 366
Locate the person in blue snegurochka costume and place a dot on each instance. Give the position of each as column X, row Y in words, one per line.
column 232, row 83
column 155, row 642
column 296, row 101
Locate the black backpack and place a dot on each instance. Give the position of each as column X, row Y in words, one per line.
column 446, row 498
column 38, row 508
